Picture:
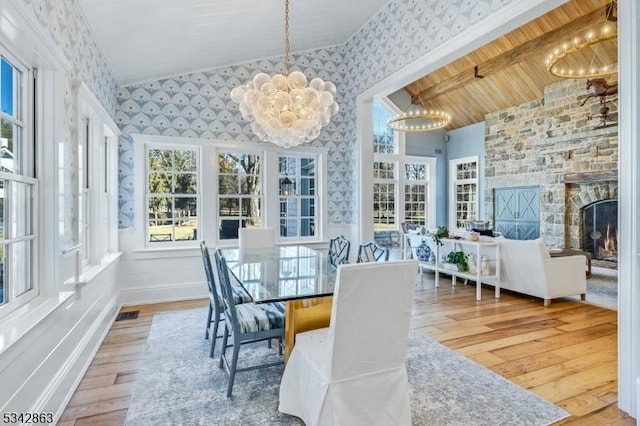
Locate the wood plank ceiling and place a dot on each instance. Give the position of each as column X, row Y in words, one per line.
column 512, row 66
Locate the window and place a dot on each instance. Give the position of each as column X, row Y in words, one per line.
column 384, row 195
column 463, row 181
column 239, row 192
column 400, row 182
column 17, row 188
column 97, row 149
column 172, row 194
column 298, row 196
column 235, row 184
column 415, row 192
column 84, row 193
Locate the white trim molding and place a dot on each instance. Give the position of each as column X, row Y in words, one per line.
column 629, row 211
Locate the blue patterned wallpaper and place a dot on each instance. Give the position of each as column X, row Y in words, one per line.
column 66, row 26
column 198, row 105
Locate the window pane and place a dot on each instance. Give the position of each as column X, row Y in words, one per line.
column 250, row 185
column 185, row 161
column 20, row 267
column 160, row 230
column 307, row 227
column 160, row 208
column 227, row 184
column 3, row 185
column 383, row 137
column 185, row 183
column 8, row 88
column 10, row 135
column 20, row 209
column 415, row 172
column 186, row 219
column 3, row 286
column 251, row 211
column 160, row 183
column 229, row 207
column 159, row 159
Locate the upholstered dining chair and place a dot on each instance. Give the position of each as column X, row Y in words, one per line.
column 338, row 251
column 250, row 238
column 216, row 307
column 372, row 252
column 353, row 372
column 246, row 323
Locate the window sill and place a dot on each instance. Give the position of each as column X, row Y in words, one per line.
column 22, row 320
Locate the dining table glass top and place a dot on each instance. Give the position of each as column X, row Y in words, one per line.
column 282, row 273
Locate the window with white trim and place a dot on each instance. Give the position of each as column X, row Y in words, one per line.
column 298, row 195
column 172, row 195
column 84, row 191
column 400, row 182
column 239, row 185
column 18, row 187
column 463, row 197
column 239, row 192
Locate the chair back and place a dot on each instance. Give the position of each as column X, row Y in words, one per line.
column 250, row 238
column 338, row 251
column 208, row 270
column 370, row 317
column 522, row 262
column 372, row 252
column 226, row 291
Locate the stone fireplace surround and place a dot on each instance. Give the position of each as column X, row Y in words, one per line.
column 552, row 143
column 582, row 190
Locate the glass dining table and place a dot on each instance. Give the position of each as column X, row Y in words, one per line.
column 298, row 275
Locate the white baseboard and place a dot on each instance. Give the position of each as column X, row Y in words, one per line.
column 163, row 293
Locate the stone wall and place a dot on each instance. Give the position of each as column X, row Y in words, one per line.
column 540, row 142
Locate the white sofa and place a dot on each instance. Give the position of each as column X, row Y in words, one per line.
column 526, row 267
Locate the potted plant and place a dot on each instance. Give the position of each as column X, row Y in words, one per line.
column 458, row 258
column 441, row 232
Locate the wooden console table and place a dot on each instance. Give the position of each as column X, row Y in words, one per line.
column 574, row 252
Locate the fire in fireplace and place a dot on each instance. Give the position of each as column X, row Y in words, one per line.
column 600, row 229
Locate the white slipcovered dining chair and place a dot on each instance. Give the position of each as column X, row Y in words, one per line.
column 353, row 372
column 250, row 238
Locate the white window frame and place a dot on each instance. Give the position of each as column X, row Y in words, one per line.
column 317, row 197
column 400, row 159
column 25, row 119
column 208, row 177
column 197, row 195
column 97, row 233
column 454, row 182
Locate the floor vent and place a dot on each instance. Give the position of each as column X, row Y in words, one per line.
column 127, row 315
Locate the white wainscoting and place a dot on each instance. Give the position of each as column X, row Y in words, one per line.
column 40, row 371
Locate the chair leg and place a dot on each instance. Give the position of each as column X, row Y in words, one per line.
column 214, row 336
column 583, row 297
column 232, row 367
column 224, row 345
column 206, row 333
column 280, row 345
column 269, row 343
column 547, row 302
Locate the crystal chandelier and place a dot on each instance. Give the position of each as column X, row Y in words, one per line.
column 283, row 109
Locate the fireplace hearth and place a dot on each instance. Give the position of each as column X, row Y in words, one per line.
column 600, row 229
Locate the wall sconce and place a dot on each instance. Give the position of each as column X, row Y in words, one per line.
column 287, row 186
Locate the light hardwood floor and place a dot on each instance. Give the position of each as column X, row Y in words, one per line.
column 566, row 353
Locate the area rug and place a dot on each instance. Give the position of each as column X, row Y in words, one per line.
column 178, row 384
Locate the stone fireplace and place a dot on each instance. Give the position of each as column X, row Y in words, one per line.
column 552, row 143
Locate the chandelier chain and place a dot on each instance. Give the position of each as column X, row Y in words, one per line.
column 286, row 37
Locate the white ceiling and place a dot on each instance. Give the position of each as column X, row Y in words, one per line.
column 149, row 39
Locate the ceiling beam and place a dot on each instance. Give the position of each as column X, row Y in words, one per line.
column 513, row 56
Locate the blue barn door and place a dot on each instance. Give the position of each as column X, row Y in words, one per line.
column 517, row 212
